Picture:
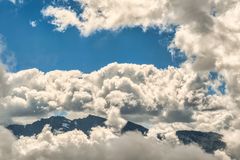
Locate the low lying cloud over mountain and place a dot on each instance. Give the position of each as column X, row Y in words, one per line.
column 100, row 145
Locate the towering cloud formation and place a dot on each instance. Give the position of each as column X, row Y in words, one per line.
column 140, row 92
column 132, row 88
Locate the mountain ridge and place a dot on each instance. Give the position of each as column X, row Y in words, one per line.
column 61, row 123
column 208, row 141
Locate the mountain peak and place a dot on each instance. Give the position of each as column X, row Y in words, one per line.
column 209, row 141
column 62, row 124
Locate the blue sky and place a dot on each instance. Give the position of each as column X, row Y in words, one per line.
column 43, row 48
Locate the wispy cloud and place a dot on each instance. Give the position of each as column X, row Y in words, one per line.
column 33, row 23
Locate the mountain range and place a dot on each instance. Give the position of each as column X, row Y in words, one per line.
column 208, row 141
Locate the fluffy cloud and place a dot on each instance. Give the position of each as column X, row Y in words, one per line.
column 113, row 14
column 6, row 144
column 115, row 120
column 109, row 15
column 233, row 145
column 134, row 89
column 63, row 18
column 75, row 144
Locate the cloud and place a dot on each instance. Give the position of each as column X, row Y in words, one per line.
column 108, row 15
column 75, row 144
column 115, row 120
column 134, row 89
column 13, row 1
column 2, row 44
column 216, row 50
column 233, row 145
column 6, row 144
column 63, row 18
column 7, row 57
column 113, row 15
column 33, row 23
column 3, row 78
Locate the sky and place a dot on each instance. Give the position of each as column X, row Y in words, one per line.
column 167, row 64
column 35, row 43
